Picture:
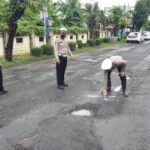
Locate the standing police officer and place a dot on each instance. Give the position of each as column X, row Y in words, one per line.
column 2, row 91
column 61, row 51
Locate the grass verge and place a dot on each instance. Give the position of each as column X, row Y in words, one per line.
column 22, row 59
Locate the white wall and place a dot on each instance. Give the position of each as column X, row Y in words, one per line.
column 71, row 38
column 1, row 46
column 102, row 34
column 83, row 37
column 39, row 43
column 21, row 47
column 24, row 45
column 84, row 40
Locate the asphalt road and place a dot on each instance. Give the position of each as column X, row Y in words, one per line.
column 35, row 115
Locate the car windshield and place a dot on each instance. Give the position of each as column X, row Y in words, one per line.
column 134, row 34
column 146, row 33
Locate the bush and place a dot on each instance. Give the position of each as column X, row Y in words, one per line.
column 47, row 49
column 98, row 41
column 72, row 46
column 79, row 43
column 106, row 40
column 36, row 51
column 91, row 42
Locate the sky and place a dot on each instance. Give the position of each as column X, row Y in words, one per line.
column 109, row 3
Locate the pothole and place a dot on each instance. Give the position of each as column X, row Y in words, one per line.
column 87, row 109
column 93, row 96
column 21, row 147
column 1, row 125
column 82, row 112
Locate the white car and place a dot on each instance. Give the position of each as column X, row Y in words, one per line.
column 135, row 37
column 146, row 35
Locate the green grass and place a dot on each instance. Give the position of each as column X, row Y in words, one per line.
column 22, row 59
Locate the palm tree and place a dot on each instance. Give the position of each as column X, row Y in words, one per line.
column 73, row 13
column 93, row 18
column 116, row 14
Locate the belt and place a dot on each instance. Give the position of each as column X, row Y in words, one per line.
column 62, row 55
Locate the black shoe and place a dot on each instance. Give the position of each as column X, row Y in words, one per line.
column 3, row 92
column 65, row 84
column 60, row 87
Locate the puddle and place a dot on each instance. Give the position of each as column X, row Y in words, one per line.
column 117, row 89
column 82, row 112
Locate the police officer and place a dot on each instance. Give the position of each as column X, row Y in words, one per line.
column 108, row 65
column 2, row 91
column 61, row 51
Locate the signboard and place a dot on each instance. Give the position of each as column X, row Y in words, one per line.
column 48, row 23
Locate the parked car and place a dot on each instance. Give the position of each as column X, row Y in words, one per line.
column 135, row 37
column 146, row 35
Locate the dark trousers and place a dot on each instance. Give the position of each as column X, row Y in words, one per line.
column 122, row 78
column 1, row 79
column 60, row 70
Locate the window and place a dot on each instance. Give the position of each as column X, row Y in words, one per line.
column 71, row 37
column 19, row 40
column 82, row 36
column 41, row 39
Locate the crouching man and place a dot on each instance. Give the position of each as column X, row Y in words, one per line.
column 108, row 65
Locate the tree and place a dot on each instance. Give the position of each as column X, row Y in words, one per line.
column 103, row 18
column 122, row 25
column 116, row 15
column 147, row 27
column 140, row 15
column 29, row 24
column 93, row 18
column 73, row 14
column 146, row 5
column 16, row 11
column 3, row 21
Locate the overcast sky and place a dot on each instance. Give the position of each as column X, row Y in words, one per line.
column 108, row 3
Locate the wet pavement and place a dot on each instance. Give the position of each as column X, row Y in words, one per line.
column 35, row 115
